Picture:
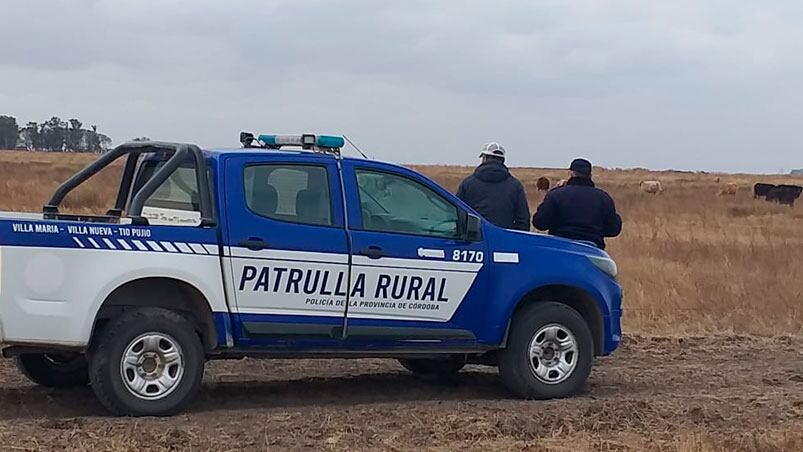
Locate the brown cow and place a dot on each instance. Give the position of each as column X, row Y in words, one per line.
column 729, row 189
column 542, row 184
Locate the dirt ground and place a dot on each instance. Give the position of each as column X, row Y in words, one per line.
column 694, row 393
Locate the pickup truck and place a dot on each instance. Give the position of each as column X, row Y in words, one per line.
column 284, row 248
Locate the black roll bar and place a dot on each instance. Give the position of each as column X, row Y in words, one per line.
column 180, row 153
column 129, row 172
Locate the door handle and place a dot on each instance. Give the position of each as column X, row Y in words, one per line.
column 373, row 252
column 253, row 244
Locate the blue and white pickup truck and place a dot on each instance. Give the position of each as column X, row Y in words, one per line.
column 284, row 248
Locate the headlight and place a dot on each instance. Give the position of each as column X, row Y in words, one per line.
column 606, row 264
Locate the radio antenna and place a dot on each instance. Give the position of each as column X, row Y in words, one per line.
column 355, row 147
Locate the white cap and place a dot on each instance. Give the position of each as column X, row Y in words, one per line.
column 493, row 149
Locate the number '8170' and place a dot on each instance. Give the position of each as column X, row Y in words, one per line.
column 468, row 256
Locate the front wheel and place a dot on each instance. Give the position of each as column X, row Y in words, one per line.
column 54, row 370
column 549, row 353
column 147, row 362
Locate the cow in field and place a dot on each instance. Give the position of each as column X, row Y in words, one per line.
column 761, row 190
column 785, row 194
column 652, row 187
column 729, row 190
column 542, row 184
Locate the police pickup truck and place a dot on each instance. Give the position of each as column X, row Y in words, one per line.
column 286, row 249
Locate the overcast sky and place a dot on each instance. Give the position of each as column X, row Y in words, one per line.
column 687, row 84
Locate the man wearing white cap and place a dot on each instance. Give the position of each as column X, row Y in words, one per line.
column 494, row 193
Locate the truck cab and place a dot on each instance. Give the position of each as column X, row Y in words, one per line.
column 285, row 248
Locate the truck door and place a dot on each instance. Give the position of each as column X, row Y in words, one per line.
column 287, row 250
column 415, row 282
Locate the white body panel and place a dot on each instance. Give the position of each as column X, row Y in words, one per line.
column 21, row 216
column 314, row 284
column 52, row 295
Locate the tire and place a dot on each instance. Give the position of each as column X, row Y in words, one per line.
column 435, row 368
column 560, row 373
column 54, row 370
column 165, row 368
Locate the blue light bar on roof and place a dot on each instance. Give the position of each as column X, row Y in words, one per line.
column 330, row 141
column 322, row 141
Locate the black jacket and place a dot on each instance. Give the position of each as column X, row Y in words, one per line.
column 497, row 195
column 579, row 211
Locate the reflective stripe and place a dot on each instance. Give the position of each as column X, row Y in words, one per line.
column 154, row 246
column 184, row 248
column 506, row 258
column 169, row 247
column 198, row 248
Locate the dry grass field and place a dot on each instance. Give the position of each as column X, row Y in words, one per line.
column 713, row 359
column 691, row 261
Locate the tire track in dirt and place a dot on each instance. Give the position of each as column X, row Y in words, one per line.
column 730, row 389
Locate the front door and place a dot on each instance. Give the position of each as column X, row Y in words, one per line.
column 415, row 282
column 287, row 249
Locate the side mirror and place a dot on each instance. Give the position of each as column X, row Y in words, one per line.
column 472, row 230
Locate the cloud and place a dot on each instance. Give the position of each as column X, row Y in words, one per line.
column 707, row 84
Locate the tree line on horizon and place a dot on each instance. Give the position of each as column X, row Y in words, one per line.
column 53, row 135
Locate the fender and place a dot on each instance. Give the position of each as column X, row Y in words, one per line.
column 505, row 320
column 211, row 289
column 583, row 285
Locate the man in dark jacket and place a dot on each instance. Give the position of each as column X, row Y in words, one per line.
column 578, row 210
column 495, row 193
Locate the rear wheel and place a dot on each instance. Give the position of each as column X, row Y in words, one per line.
column 54, row 370
column 435, row 368
column 147, row 362
column 549, row 353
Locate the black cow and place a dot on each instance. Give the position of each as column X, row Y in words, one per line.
column 785, row 194
column 761, row 190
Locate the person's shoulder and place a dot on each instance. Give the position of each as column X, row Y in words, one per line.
column 468, row 178
column 515, row 181
column 603, row 194
column 554, row 193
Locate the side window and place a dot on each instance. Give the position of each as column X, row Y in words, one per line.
column 177, row 200
column 391, row 203
column 296, row 193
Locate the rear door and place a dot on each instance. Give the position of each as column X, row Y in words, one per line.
column 415, row 282
column 287, row 250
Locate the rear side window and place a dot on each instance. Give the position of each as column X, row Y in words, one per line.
column 179, row 191
column 177, row 200
column 294, row 193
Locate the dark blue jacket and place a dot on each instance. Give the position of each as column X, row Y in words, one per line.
column 496, row 195
column 579, row 211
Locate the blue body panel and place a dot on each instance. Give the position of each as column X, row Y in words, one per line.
column 471, row 315
column 487, row 308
